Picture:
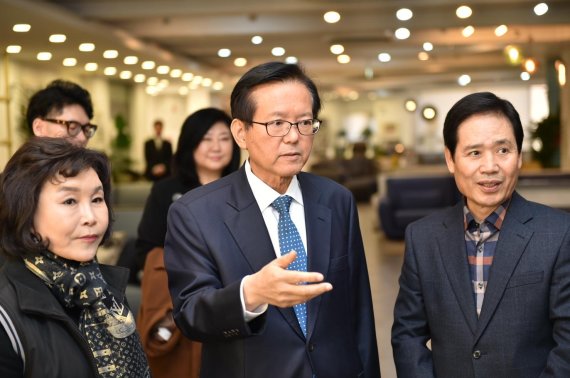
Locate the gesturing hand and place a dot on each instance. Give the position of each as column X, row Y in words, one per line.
column 277, row 286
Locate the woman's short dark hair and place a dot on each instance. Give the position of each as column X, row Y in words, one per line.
column 193, row 130
column 36, row 162
column 480, row 103
column 242, row 105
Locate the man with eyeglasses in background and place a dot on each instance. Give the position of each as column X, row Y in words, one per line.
column 62, row 110
column 266, row 265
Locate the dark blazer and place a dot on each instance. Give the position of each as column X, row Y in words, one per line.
column 524, row 326
column 216, row 236
column 154, row 156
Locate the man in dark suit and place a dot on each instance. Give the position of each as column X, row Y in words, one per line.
column 227, row 262
column 157, row 154
column 486, row 281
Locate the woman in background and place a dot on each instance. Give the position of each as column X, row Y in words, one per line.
column 61, row 313
column 206, row 151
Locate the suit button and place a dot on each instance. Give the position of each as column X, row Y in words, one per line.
column 477, row 354
column 311, row 347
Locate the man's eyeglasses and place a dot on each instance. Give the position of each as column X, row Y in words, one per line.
column 279, row 127
column 74, row 127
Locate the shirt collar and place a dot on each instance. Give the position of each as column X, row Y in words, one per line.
column 495, row 218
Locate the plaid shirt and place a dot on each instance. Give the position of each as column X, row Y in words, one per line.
column 481, row 240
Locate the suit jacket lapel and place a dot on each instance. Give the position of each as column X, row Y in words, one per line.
column 453, row 254
column 513, row 240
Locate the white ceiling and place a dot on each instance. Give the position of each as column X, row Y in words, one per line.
column 187, row 34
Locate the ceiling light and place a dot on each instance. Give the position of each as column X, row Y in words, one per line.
column 256, row 39
column 187, row 76
column 207, row 82
column 218, row 86
column 513, row 54
column 70, row 62
column 384, row 57
column 126, row 75
column 110, row 54
column 240, row 62
column 13, row 49
column 331, row 17
column 428, row 46
column 197, row 79
column 501, row 30
column 291, row 60
column 44, row 55
column 463, row 11
column 429, row 112
column 175, row 73
column 110, row 71
column 152, row 80
column 163, row 83
column 411, row 105
column 337, row 49
column 468, row 31
column 151, row 91
column 529, row 65
column 130, row 60
column 91, row 67
column 402, row 33
column 463, row 80
column 540, row 9
column 21, row 28
column 57, row 38
column 278, row 51
column 139, row 78
column 561, row 68
column 86, row 47
column 422, row 55
column 404, row 14
column 183, row 91
column 525, row 76
column 148, row 65
column 224, row 53
column 162, row 70
column 343, row 58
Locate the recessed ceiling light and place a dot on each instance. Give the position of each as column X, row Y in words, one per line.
column 110, row 71
column 187, row 76
column 429, row 113
column 404, row 14
column 525, row 76
column 411, row 105
column 130, row 60
column 148, row 65
column 175, row 73
column 44, row 55
column 224, row 53
column 183, row 91
column 540, row 9
column 110, row 54
column 125, row 75
column 207, row 82
column 422, row 55
column 331, row 17
column 163, row 70
column 218, row 86
column 337, row 49
column 256, row 39
column 91, row 67
column 402, row 33
column 463, row 12
column 428, row 46
column 197, row 79
column 529, row 65
column 278, row 51
column 463, row 80
column 291, row 60
column 86, row 47
column 384, row 57
column 240, row 62
column 501, row 30
column 343, row 58
column 13, row 49
column 468, row 31
column 57, row 38
column 152, row 80
column 139, row 78
column 21, row 28
column 70, row 62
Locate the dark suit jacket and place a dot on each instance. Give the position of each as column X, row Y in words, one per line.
column 524, row 326
column 216, row 236
column 154, row 156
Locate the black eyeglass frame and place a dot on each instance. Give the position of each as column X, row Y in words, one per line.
column 316, row 125
column 74, row 127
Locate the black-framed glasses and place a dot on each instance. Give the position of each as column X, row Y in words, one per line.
column 279, row 127
column 74, row 127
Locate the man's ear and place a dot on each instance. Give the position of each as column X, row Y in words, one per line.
column 38, row 127
column 238, row 131
column 449, row 161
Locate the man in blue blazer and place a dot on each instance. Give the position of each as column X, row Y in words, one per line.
column 485, row 285
column 260, row 307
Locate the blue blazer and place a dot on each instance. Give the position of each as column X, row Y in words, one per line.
column 524, row 326
column 216, row 236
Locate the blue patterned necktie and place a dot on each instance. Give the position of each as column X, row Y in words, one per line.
column 290, row 240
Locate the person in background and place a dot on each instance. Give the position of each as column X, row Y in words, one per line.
column 62, row 109
column 487, row 281
column 229, row 245
column 206, row 151
column 157, row 154
column 61, row 313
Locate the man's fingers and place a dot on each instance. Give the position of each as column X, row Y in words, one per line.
column 286, row 259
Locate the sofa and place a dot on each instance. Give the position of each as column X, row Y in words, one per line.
column 407, row 199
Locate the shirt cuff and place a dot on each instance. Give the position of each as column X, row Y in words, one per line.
column 250, row 315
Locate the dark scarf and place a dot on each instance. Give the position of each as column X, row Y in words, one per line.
column 107, row 323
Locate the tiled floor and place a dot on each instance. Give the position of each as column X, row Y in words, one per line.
column 384, row 258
